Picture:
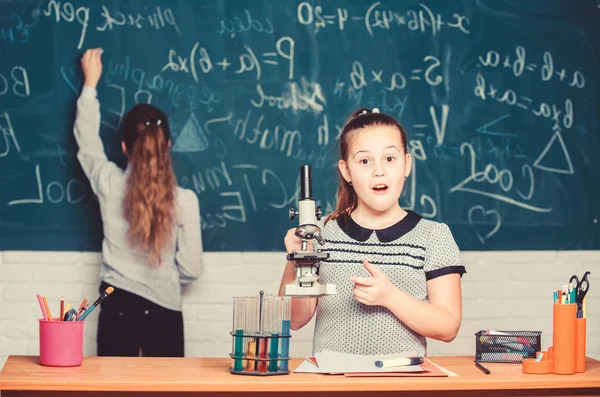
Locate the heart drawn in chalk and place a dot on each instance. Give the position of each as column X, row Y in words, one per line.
column 479, row 218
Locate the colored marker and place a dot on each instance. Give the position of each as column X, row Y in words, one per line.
column 399, row 362
column 86, row 313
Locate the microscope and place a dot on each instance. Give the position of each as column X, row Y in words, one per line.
column 306, row 264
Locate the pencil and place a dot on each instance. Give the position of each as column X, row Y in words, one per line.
column 62, row 308
column 42, row 307
column 47, row 308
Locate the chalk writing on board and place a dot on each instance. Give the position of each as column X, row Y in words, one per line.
column 247, row 23
column 556, row 141
column 17, row 82
column 422, row 19
column 157, row 18
column 13, row 30
column 487, row 217
column 497, row 103
column 520, row 64
column 490, row 175
column 557, row 112
column 199, row 61
column 192, row 138
column 8, row 133
column 55, row 192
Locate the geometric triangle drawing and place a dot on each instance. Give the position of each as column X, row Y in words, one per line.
column 560, row 146
column 484, row 129
column 192, row 137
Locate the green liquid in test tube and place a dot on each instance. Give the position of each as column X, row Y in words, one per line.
column 286, row 315
column 239, row 319
column 275, row 332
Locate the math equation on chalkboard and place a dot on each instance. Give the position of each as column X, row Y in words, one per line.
column 499, row 99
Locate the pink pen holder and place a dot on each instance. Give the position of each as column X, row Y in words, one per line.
column 61, row 343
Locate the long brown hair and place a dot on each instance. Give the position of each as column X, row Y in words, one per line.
column 361, row 118
column 149, row 202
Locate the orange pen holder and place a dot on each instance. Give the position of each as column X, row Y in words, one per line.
column 569, row 334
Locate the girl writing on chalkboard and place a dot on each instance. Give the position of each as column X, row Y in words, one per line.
column 152, row 238
column 397, row 274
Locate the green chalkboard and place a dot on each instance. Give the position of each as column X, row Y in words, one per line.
column 501, row 100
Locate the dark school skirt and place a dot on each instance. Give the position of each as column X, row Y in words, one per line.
column 129, row 326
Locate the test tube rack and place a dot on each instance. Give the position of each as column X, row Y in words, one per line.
column 260, row 335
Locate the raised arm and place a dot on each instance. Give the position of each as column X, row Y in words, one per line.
column 87, row 125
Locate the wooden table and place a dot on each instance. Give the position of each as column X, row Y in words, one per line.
column 120, row 376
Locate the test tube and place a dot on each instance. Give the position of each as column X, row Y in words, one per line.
column 239, row 319
column 265, row 326
column 275, row 332
column 251, row 328
column 286, row 315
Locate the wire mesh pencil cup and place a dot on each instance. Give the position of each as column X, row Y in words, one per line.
column 261, row 335
column 506, row 346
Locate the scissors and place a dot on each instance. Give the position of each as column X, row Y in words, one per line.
column 581, row 287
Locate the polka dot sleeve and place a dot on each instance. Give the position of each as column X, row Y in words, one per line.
column 442, row 255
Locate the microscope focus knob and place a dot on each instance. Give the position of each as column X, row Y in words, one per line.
column 318, row 213
column 293, row 213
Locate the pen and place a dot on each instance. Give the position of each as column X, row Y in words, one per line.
column 93, row 306
column 399, row 362
column 482, row 368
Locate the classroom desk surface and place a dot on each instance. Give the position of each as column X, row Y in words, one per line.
column 119, row 376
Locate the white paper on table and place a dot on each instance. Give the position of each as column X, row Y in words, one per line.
column 332, row 362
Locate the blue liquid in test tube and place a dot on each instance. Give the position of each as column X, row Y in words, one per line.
column 286, row 312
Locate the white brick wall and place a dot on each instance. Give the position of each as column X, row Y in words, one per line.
column 502, row 290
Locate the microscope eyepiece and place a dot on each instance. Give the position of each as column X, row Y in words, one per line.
column 305, row 182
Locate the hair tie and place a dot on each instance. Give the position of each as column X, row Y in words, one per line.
column 365, row 111
column 158, row 122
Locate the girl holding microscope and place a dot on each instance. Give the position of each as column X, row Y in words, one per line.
column 397, row 275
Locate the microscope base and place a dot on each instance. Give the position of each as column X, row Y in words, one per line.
column 313, row 291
